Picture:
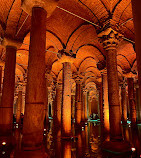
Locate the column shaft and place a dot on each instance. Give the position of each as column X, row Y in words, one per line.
column 123, row 105
column 19, row 106
column 136, row 10
column 138, row 103
column 131, row 100
column 57, row 107
column 35, row 90
column 73, row 106
column 113, row 94
column 85, row 105
column 6, row 109
column 66, row 100
column 101, row 103
column 78, row 105
column 105, row 102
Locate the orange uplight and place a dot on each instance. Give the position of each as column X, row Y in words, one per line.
column 3, row 143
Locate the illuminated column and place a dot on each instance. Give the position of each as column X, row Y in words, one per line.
column 99, row 87
column 105, row 101
column 89, row 106
column 19, row 107
column 83, row 108
column 123, row 104
column 66, row 59
column 110, row 39
column 36, row 86
column 131, row 100
column 86, row 104
column 137, row 27
column 78, row 104
column 57, row 106
column 73, row 106
column 0, row 82
column 6, row 108
column 138, row 105
column 66, row 100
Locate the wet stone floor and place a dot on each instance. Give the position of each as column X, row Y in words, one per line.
column 84, row 143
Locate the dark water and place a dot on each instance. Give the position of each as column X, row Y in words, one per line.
column 85, row 143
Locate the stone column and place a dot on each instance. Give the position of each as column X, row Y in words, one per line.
column 66, row 59
column 0, row 78
column 105, row 101
column 35, row 89
column 73, row 106
column 78, row 104
column 136, row 9
column 6, row 108
column 86, row 104
column 83, row 108
column 57, row 107
column 19, row 106
column 138, row 104
column 131, row 98
column 123, row 104
column 66, row 100
column 110, row 39
column 89, row 106
column 100, row 89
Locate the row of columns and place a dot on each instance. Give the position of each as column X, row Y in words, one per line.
column 36, row 92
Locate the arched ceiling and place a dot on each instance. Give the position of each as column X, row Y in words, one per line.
column 66, row 31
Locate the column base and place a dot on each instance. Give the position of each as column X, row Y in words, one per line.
column 31, row 147
column 31, row 154
column 116, row 147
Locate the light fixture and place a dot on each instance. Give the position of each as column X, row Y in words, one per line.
column 3, row 143
column 133, row 149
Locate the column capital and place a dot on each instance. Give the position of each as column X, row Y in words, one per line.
column 129, row 75
column 78, row 77
column 8, row 42
column 48, row 5
column 109, row 38
column 65, row 56
column 104, row 71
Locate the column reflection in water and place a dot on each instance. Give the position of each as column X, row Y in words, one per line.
column 65, row 149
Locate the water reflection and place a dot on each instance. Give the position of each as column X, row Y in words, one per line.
column 85, row 142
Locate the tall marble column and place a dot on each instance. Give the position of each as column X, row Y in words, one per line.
column 35, row 89
column 57, row 107
column 110, row 39
column 138, row 102
column 6, row 107
column 72, row 106
column 78, row 104
column 105, row 101
column 136, row 10
column 131, row 99
column 85, row 104
column 66, row 59
column 19, row 107
column 83, row 108
column 89, row 106
column 124, row 104
column 100, row 89
column 66, row 100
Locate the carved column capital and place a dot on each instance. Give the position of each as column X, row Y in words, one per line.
column 78, row 77
column 65, row 56
column 110, row 38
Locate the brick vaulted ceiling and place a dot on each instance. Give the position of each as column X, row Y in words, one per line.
column 64, row 30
